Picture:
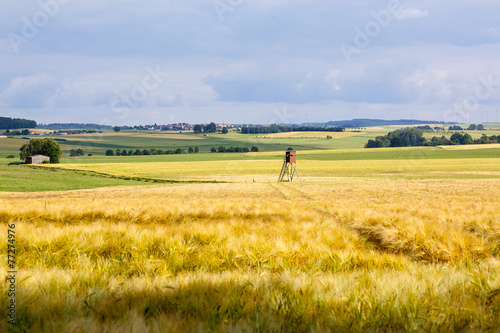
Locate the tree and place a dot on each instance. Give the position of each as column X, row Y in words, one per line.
column 472, row 127
column 190, row 150
column 196, row 149
column 109, row 152
column 225, row 130
column 396, row 142
column 210, row 128
column 213, row 150
column 197, row 129
column 254, row 149
column 117, row 128
column 480, row 127
column 124, row 152
column 77, row 152
column 47, row 147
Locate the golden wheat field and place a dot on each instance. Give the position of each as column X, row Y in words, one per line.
column 338, row 254
column 268, row 170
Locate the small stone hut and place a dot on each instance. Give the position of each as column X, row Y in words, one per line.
column 37, row 159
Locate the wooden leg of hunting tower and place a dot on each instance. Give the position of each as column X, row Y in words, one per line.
column 283, row 171
column 295, row 171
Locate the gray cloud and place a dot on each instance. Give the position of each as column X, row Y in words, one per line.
column 262, row 53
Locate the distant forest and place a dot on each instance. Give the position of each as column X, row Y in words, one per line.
column 68, row 126
column 16, row 123
column 409, row 137
column 279, row 129
column 378, row 122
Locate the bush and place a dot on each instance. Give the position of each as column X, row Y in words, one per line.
column 89, row 155
column 11, row 156
column 254, row 149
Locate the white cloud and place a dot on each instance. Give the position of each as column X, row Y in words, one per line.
column 410, row 13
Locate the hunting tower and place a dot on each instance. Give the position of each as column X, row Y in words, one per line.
column 289, row 168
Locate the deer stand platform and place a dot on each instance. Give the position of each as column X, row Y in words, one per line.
column 289, row 168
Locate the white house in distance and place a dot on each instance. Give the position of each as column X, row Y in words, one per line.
column 37, row 159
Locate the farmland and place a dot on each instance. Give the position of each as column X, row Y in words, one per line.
column 392, row 239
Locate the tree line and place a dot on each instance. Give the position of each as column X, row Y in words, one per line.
column 472, row 127
column 280, row 129
column 210, row 128
column 409, row 137
column 151, row 151
column 68, row 126
column 17, row 132
column 16, row 123
column 223, row 149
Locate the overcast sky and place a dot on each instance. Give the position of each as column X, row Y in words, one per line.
column 249, row 61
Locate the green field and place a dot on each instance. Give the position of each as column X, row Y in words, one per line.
column 23, row 178
column 342, row 156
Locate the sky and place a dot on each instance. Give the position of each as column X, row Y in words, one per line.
column 124, row 62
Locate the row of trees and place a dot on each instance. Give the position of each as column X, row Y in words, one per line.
column 47, row 147
column 472, row 127
column 222, row 149
column 17, row 132
column 414, row 137
column 151, row 151
column 279, row 129
column 16, row 123
column 76, row 152
column 210, row 128
column 68, row 126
